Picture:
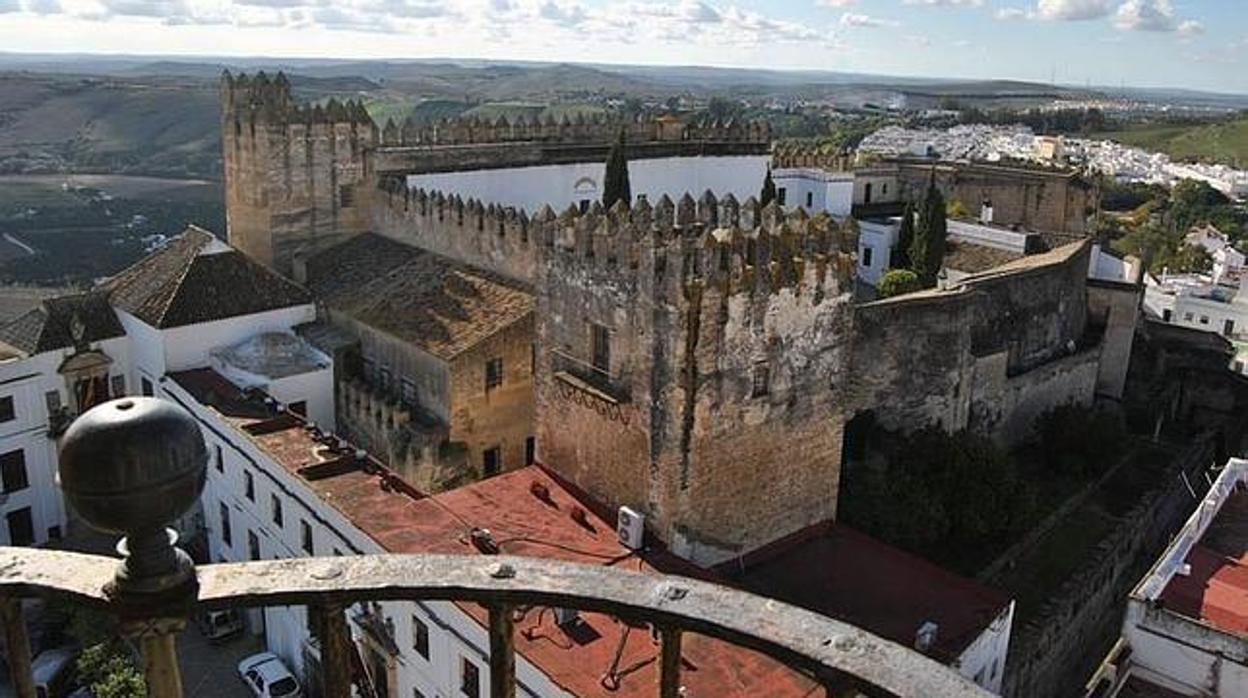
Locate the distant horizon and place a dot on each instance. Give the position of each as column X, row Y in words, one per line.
column 1145, row 44
column 226, row 58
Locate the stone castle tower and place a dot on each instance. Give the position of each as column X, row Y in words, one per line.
column 296, row 177
column 682, row 348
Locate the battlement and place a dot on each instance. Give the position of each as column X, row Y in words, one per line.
column 740, row 246
column 261, row 99
column 795, row 155
column 597, row 129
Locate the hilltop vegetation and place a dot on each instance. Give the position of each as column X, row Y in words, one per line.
column 1224, row 142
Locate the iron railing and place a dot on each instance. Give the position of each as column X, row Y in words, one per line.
column 132, row 465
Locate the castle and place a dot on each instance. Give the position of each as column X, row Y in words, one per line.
column 697, row 359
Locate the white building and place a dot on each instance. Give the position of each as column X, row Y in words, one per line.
column 1186, row 627
column 815, row 190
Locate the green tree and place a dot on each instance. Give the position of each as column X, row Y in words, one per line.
column 769, row 190
column 905, row 238
column 615, row 186
column 109, row 673
column 957, row 210
column 895, row 282
column 927, row 250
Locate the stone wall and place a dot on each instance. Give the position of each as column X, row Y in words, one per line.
column 1115, row 308
column 296, row 178
column 1057, row 650
column 974, row 356
column 729, row 328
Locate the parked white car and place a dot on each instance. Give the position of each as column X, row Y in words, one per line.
column 268, row 677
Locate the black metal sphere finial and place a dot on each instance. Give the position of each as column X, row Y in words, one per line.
column 132, row 466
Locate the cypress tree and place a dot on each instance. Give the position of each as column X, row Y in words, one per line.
column 769, row 190
column 615, row 186
column 905, row 238
column 927, row 251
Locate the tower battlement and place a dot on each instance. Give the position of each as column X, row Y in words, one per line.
column 596, row 129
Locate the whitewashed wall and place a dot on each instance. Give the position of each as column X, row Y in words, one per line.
column 816, row 190
column 562, row 185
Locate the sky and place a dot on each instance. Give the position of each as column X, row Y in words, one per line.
column 1199, row 44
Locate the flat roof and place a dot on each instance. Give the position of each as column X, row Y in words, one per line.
column 849, row 575
column 1215, row 591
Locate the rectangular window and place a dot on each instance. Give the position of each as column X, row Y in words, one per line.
column 600, row 337
column 1166, row 314
column 780, row 195
column 1228, row 327
column 533, row 359
column 493, row 373
column 117, row 387
column 1204, row 319
column 469, row 678
column 583, row 205
column 220, row 460
column 226, row 536
column 867, row 253
column 253, row 546
column 761, row 380
column 8, row 412
column 530, row 451
column 408, row 391
column 491, row 461
column 249, row 486
column 147, row 387
column 52, row 399
column 13, row 471
column 54, row 533
column 346, row 196
column 275, row 508
column 383, row 378
column 420, row 637
column 305, row 535
column 21, row 527
column 810, row 199
column 1187, row 317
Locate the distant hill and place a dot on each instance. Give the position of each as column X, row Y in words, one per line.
column 1224, row 143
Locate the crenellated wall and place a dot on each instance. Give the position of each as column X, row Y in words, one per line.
column 699, row 299
column 294, row 175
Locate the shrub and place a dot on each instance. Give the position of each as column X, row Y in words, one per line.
column 1078, row 440
column 895, row 282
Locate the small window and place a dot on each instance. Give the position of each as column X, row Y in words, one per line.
column 469, row 678
column 867, row 253
column 601, row 340
column 220, row 460
column 493, row 373
column 780, row 196
column 1228, row 327
column 1204, row 319
column 13, row 471
column 1187, row 317
column 533, row 359
column 249, row 485
column 583, row 205
column 52, row 399
column 226, row 535
column 761, row 380
column 275, row 510
column 21, row 527
column 884, row 189
column 54, row 533
column 346, row 196
column 8, row 412
column 117, row 386
column 306, row 537
column 810, row 199
column 420, row 637
column 408, row 391
column 383, row 377
column 530, row 451
column 491, row 461
column 1166, row 314
column 253, row 546
column 146, row 386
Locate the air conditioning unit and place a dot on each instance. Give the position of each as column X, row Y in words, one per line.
column 631, row 527
column 566, row 616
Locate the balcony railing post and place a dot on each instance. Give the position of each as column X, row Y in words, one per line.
column 18, row 646
column 669, row 661
column 502, row 652
column 160, row 655
column 335, row 650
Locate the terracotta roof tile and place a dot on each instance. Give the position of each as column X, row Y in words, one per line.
column 51, row 325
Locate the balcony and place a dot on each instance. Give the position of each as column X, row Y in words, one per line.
column 133, row 465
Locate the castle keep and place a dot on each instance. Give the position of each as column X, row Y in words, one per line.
column 695, row 360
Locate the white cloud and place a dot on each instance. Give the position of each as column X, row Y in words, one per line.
column 1073, row 10
column 945, row 3
column 852, row 19
column 1010, row 13
column 836, row 3
column 1152, row 15
column 43, row 7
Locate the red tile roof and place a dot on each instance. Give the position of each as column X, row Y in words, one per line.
column 1216, row 589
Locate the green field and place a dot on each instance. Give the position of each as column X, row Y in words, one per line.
column 1225, row 142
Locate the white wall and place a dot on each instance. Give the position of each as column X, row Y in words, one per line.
column 188, row 347
column 530, row 188
column 876, row 241
column 816, row 190
column 26, row 381
column 983, row 661
column 314, row 387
